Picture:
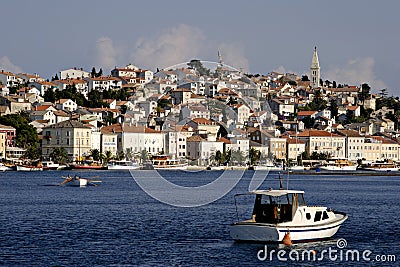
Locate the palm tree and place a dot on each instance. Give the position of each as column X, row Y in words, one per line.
column 95, row 154
column 144, row 156
column 254, row 156
column 108, row 156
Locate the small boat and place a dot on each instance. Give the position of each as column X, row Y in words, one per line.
column 381, row 167
column 88, row 166
column 50, row 165
column 271, row 167
column 296, row 168
column 277, row 213
column 122, row 165
column 28, row 168
column 166, row 163
column 216, row 168
column 339, row 165
column 78, row 181
column 4, row 167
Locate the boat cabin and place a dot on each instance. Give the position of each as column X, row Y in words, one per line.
column 276, row 206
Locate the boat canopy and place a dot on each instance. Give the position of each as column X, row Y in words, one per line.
column 276, row 193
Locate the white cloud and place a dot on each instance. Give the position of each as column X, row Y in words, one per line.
column 106, row 53
column 6, row 64
column 355, row 72
column 233, row 55
column 172, row 46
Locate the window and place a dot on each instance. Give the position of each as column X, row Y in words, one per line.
column 318, row 215
column 325, row 216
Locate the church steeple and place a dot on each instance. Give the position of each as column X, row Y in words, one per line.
column 315, row 70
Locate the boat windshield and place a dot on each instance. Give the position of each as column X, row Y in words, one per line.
column 276, row 209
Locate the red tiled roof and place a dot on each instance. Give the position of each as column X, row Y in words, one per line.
column 224, row 140
column 353, row 108
column 315, row 133
column 306, row 113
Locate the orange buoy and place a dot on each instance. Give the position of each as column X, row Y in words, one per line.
column 286, row 239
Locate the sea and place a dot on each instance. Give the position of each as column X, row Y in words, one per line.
column 118, row 224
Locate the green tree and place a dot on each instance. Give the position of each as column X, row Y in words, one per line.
column 95, row 154
column 49, row 95
column 108, row 156
column 144, row 156
column 305, row 78
column 333, row 107
column 237, row 157
column 198, row 66
column 219, row 157
column 93, row 72
column 254, row 156
column 123, row 109
column 59, row 155
column 26, row 134
column 365, row 92
column 32, row 152
column 121, row 155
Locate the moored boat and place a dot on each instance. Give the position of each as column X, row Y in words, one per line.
column 166, row 163
column 381, row 167
column 50, row 165
column 4, row 167
column 122, row 165
column 28, row 168
column 339, row 165
column 87, row 166
column 280, row 212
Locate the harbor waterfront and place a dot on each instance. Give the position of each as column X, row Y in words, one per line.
column 117, row 223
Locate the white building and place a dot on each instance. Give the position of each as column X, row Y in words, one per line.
column 354, row 144
column 195, row 111
column 73, row 73
column 202, row 150
column 8, row 79
column 67, row 104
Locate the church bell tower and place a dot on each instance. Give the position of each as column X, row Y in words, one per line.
column 315, row 70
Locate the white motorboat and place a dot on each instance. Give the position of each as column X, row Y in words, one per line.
column 381, row 167
column 28, row 168
column 296, row 168
column 50, row 165
column 339, row 165
column 4, row 167
column 280, row 212
column 123, row 165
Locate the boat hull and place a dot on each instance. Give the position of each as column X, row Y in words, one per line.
column 394, row 169
column 88, row 167
column 78, row 182
column 261, row 232
column 28, row 168
column 117, row 167
column 337, row 168
column 171, row 167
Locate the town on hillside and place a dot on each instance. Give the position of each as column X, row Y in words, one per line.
column 207, row 114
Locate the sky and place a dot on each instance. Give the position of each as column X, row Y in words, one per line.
column 357, row 41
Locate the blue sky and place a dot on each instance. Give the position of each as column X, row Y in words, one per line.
column 357, row 42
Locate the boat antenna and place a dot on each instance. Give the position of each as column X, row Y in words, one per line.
column 280, row 181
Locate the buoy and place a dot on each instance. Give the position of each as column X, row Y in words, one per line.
column 286, row 239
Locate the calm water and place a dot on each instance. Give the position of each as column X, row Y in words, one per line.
column 117, row 224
